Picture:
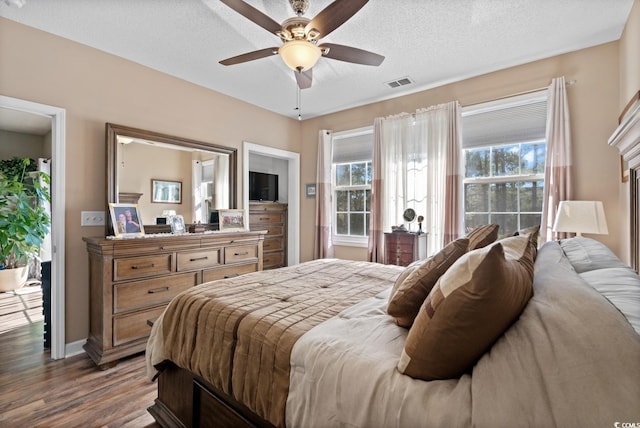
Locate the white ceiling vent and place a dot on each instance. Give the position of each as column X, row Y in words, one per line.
column 403, row 81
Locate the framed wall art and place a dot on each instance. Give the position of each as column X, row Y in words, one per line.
column 232, row 220
column 166, row 191
column 126, row 220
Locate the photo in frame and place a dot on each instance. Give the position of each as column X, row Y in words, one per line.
column 125, row 219
column 166, row 191
column 232, row 220
column 311, row 190
column 177, row 224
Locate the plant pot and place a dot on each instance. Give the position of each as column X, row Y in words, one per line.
column 12, row 279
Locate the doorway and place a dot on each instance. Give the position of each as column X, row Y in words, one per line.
column 28, row 113
column 292, row 160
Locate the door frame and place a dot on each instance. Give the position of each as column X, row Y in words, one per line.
column 58, row 124
column 293, row 192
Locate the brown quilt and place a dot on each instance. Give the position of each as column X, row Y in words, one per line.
column 238, row 333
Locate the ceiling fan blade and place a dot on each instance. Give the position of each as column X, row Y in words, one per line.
column 334, row 15
column 304, row 78
column 349, row 54
column 249, row 56
column 254, row 15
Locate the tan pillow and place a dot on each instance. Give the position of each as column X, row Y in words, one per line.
column 482, row 236
column 409, row 294
column 469, row 308
column 533, row 233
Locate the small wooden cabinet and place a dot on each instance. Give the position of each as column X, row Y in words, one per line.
column 272, row 217
column 402, row 248
column 132, row 280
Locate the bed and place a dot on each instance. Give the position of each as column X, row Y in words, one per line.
column 313, row 345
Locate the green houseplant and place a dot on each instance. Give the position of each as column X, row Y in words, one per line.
column 24, row 223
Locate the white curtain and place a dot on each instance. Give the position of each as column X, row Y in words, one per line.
column 414, row 151
column 323, row 247
column 557, row 170
column 196, row 192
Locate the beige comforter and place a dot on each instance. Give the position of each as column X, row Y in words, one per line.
column 238, row 333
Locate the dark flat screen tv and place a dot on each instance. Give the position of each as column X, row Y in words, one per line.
column 263, row 186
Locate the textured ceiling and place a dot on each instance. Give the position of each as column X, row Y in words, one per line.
column 432, row 42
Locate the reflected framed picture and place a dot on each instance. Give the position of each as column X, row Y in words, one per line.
column 126, row 220
column 166, row 191
column 232, row 220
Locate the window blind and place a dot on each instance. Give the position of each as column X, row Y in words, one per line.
column 352, row 147
column 514, row 120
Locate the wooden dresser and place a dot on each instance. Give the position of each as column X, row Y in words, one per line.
column 132, row 280
column 272, row 217
column 402, row 248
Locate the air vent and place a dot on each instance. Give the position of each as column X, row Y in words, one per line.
column 403, row 81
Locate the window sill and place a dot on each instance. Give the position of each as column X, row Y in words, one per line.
column 348, row 241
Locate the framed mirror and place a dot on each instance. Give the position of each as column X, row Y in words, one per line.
column 138, row 160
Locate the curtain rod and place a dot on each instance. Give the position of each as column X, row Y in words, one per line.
column 530, row 91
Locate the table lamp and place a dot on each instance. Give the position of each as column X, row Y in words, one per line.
column 581, row 217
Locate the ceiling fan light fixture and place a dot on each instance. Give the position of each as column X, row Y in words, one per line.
column 299, row 55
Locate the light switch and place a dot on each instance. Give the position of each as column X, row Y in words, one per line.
column 92, row 218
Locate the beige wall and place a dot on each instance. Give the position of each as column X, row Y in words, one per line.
column 140, row 163
column 594, row 107
column 23, row 145
column 95, row 88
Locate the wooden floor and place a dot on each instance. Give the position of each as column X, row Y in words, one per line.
column 38, row 392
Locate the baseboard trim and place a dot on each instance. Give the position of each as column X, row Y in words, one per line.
column 74, row 348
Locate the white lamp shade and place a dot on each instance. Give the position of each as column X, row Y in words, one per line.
column 299, row 55
column 581, row 217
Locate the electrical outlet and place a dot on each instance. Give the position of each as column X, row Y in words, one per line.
column 92, row 218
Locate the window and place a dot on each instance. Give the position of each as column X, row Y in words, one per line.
column 352, row 175
column 504, row 152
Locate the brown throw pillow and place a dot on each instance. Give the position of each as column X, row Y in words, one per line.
column 482, row 236
column 409, row 294
column 469, row 308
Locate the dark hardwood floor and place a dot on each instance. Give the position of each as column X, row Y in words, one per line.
column 36, row 391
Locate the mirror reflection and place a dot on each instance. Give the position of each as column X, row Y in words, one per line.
column 166, row 175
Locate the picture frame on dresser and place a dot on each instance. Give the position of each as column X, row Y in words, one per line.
column 126, row 220
column 231, row 220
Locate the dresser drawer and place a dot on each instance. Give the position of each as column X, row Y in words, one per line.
column 228, row 272
column 140, row 267
column 240, row 253
column 273, row 230
column 400, row 248
column 151, row 292
column 265, row 218
column 133, row 326
column 272, row 260
column 198, row 259
column 270, row 244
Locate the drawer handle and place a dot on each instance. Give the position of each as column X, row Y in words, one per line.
column 231, row 276
column 241, row 254
column 143, row 266
column 158, row 290
column 198, row 258
column 264, row 218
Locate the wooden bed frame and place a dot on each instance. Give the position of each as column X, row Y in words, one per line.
column 186, row 400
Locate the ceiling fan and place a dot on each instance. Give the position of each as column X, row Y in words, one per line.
column 300, row 36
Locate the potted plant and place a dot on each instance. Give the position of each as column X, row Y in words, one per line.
column 24, row 223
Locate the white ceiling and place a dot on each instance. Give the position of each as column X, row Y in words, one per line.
column 432, row 42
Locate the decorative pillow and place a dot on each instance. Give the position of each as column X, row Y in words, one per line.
column 410, row 290
column 533, row 233
column 482, row 236
column 469, row 308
